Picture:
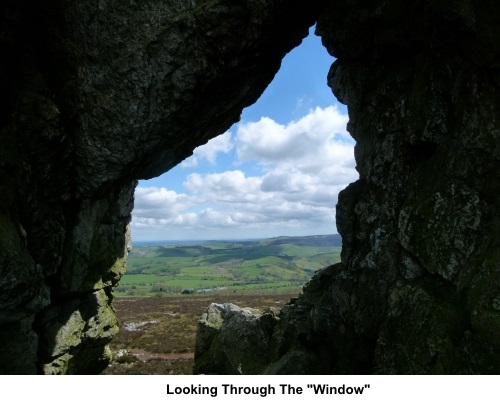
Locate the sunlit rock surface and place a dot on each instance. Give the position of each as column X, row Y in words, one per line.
column 234, row 340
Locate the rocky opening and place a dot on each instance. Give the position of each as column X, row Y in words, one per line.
column 88, row 99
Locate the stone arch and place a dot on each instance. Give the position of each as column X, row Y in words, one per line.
column 106, row 92
column 289, row 107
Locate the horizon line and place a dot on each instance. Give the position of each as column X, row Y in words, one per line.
column 231, row 239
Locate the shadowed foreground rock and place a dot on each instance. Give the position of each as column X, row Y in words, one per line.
column 101, row 93
column 233, row 340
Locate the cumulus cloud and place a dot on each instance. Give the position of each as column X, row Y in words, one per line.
column 303, row 166
column 159, row 203
column 270, row 142
column 230, row 186
column 209, row 151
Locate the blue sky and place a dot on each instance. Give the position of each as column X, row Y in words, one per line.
column 276, row 172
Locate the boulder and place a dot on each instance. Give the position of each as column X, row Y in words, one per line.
column 234, row 340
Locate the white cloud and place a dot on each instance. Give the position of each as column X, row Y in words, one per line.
column 191, row 161
column 209, row 151
column 230, row 186
column 312, row 136
column 304, row 165
column 159, row 203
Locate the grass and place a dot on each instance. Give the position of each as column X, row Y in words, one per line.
column 249, row 265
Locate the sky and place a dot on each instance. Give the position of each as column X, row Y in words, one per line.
column 277, row 172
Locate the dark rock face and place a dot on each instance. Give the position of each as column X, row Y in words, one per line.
column 100, row 93
column 418, row 288
column 421, row 226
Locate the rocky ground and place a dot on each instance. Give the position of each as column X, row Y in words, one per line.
column 157, row 335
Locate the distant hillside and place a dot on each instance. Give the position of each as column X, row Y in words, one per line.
column 280, row 264
column 313, row 240
column 316, row 240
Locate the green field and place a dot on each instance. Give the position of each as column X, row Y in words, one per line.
column 275, row 265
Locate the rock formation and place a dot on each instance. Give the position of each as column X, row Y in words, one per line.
column 234, row 340
column 418, row 289
column 100, row 93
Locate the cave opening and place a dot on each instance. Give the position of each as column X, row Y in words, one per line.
column 292, row 142
column 248, row 218
column 275, row 173
column 99, row 94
